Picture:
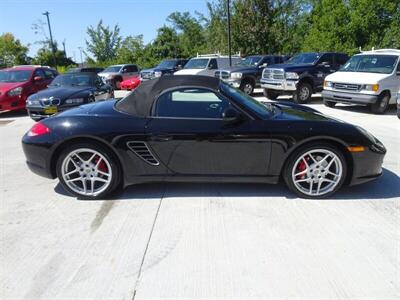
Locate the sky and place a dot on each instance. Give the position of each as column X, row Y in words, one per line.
column 70, row 18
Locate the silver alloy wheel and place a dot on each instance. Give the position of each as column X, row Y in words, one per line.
column 304, row 93
column 86, row 172
column 317, row 172
column 248, row 88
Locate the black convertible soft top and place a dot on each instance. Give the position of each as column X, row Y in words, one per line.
column 140, row 101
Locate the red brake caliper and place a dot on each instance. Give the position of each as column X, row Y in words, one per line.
column 300, row 168
column 102, row 166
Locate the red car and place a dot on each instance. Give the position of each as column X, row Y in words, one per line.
column 130, row 83
column 17, row 83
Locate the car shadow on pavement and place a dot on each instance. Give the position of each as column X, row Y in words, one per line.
column 13, row 114
column 385, row 187
column 391, row 111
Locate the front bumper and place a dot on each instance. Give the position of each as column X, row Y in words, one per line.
column 350, row 98
column 232, row 82
column 39, row 112
column 279, row 84
column 12, row 103
column 367, row 165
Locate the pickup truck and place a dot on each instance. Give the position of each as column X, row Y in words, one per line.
column 370, row 78
column 166, row 67
column 301, row 76
column 246, row 74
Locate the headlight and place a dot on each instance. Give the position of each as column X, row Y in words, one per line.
column 292, row 75
column 370, row 87
column 15, row 92
column 74, row 101
column 328, row 84
column 157, row 74
column 236, row 75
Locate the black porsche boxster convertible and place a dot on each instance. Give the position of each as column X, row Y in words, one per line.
column 196, row 128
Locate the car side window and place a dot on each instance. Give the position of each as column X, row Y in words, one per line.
column 131, row 68
column 192, row 103
column 269, row 60
column 48, row 74
column 213, row 64
column 326, row 59
column 341, row 59
column 40, row 73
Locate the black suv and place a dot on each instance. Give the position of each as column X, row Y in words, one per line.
column 246, row 74
column 302, row 75
column 166, row 67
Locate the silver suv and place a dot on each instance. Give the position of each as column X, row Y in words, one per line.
column 113, row 75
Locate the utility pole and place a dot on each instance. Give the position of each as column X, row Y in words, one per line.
column 80, row 50
column 51, row 38
column 65, row 52
column 229, row 34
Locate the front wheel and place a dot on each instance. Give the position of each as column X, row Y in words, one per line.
column 303, row 93
column 247, row 86
column 329, row 103
column 381, row 105
column 88, row 170
column 315, row 171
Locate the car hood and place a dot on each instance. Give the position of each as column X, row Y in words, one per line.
column 291, row 67
column 188, row 71
column 7, row 86
column 356, row 77
column 105, row 74
column 62, row 92
column 292, row 111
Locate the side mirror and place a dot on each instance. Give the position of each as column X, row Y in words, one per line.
column 231, row 115
column 37, row 78
column 263, row 65
column 325, row 64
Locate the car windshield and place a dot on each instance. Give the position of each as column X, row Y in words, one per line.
column 197, row 63
column 167, row 64
column 73, row 79
column 265, row 111
column 383, row 64
column 112, row 69
column 15, row 76
column 249, row 61
column 304, row 58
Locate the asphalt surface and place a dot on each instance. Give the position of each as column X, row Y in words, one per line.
column 200, row 241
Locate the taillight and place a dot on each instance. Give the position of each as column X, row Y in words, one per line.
column 38, row 129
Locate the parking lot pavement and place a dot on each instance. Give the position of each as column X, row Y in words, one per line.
column 226, row 241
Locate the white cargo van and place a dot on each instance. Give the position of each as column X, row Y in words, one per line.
column 370, row 78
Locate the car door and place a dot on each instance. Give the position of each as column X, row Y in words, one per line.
column 211, row 67
column 39, row 80
column 187, row 133
column 266, row 61
column 324, row 67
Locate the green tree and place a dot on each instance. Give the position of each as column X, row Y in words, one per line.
column 12, row 52
column 131, row 49
column 166, row 44
column 103, row 42
column 44, row 56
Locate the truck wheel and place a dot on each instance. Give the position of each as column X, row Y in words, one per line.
column 247, row 86
column 303, row 93
column 272, row 95
column 329, row 103
column 381, row 105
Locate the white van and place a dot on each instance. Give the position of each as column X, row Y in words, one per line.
column 370, row 78
column 207, row 64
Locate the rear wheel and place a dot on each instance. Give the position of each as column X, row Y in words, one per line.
column 270, row 94
column 315, row 171
column 329, row 103
column 247, row 86
column 381, row 105
column 303, row 93
column 88, row 170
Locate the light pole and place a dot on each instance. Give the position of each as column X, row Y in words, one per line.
column 51, row 38
column 229, row 34
column 80, row 51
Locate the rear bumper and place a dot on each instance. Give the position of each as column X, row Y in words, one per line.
column 350, row 98
column 37, row 158
column 279, row 85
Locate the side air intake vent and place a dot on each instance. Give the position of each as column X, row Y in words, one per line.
column 142, row 150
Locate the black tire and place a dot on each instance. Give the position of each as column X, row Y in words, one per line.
column 288, row 168
column 303, row 93
column 247, row 86
column 329, row 103
column 270, row 94
column 381, row 105
column 108, row 155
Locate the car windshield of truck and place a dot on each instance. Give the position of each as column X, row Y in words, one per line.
column 265, row 111
column 197, row 63
column 15, row 76
column 73, row 79
column 383, row 64
column 304, row 58
column 112, row 69
column 167, row 64
column 249, row 61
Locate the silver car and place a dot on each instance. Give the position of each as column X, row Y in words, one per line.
column 113, row 75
